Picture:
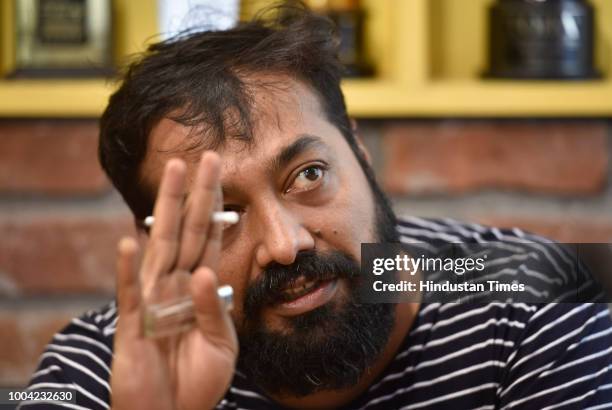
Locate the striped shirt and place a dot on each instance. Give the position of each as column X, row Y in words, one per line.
column 456, row 355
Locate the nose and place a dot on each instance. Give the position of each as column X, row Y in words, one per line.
column 282, row 235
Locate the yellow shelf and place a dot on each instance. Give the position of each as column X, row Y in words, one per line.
column 365, row 98
column 428, row 53
column 135, row 26
column 479, row 98
column 438, row 52
column 53, row 98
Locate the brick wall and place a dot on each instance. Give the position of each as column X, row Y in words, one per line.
column 60, row 219
column 550, row 177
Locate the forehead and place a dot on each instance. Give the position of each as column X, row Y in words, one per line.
column 282, row 110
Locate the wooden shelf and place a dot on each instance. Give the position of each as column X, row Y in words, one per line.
column 135, row 26
column 53, row 98
column 429, row 55
column 437, row 52
column 478, row 98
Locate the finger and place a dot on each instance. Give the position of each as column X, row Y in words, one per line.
column 211, row 314
column 199, row 212
column 128, row 286
column 163, row 243
column 212, row 247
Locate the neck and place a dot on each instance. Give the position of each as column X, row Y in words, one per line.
column 405, row 313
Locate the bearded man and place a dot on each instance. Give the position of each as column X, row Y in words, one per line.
column 253, row 120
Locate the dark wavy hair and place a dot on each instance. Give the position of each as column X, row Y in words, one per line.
column 204, row 77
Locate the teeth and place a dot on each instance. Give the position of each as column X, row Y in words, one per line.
column 302, row 289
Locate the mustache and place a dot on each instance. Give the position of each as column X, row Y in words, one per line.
column 310, row 264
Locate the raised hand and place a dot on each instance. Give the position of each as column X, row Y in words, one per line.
column 191, row 369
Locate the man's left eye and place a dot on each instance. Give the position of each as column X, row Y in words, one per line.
column 307, row 178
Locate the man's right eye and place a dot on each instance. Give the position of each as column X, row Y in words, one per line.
column 232, row 208
column 309, row 178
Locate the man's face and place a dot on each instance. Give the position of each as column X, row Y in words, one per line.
column 304, row 203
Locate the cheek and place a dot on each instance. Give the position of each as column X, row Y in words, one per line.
column 349, row 220
column 356, row 229
column 359, row 211
column 355, row 199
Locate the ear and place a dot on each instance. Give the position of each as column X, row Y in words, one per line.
column 362, row 149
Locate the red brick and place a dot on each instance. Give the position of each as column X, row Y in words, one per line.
column 454, row 157
column 50, row 157
column 23, row 336
column 60, row 254
column 563, row 229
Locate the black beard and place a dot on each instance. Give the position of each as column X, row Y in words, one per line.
column 328, row 348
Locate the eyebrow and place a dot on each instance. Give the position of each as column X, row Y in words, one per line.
column 288, row 153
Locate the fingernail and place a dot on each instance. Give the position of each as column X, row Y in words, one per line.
column 126, row 245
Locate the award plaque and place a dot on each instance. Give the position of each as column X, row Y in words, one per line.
column 63, row 38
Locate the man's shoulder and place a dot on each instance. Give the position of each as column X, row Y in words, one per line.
column 91, row 332
column 98, row 322
column 80, row 353
column 466, row 355
column 542, row 269
column 451, row 230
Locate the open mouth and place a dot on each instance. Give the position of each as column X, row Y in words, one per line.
column 302, row 295
column 300, row 288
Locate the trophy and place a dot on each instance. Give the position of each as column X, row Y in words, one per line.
column 541, row 39
column 63, row 38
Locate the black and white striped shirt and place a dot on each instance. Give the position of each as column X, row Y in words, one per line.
column 456, row 355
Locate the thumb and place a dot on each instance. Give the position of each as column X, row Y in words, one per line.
column 211, row 312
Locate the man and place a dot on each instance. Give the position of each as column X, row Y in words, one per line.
column 253, row 120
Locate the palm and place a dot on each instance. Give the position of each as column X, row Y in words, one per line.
column 191, row 369
column 186, row 370
column 203, row 368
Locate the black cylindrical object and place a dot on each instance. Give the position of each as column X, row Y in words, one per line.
column 351, row 53
column 542, row 39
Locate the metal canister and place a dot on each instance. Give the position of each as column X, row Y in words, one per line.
column 542, row 39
